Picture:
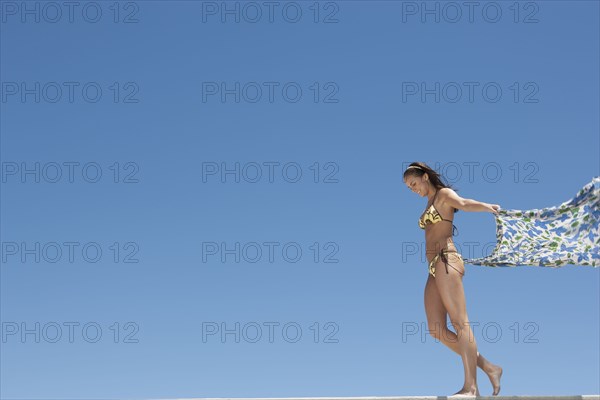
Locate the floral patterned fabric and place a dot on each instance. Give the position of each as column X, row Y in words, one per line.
column 549, row 237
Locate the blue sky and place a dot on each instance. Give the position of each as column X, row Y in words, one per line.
column 147, row 146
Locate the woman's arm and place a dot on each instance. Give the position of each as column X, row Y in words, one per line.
column 454, row 200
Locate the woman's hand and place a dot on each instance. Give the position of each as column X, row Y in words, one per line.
column 493, row 208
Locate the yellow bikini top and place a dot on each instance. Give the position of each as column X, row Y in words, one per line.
column 431, row 215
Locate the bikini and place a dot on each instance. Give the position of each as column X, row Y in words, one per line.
column 432, row 216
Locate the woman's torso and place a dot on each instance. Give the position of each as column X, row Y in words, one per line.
column 438, row 236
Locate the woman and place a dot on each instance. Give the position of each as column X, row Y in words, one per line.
column 444, row 292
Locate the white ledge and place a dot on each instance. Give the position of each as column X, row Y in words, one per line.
column 523, row 397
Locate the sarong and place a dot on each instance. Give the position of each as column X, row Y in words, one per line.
column 549, row 237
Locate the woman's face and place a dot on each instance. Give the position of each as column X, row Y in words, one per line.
column 419, row 185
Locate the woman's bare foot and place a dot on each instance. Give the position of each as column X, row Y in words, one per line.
column 494, row 373
column 464, row 395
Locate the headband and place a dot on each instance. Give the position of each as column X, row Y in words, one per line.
column 415, row 166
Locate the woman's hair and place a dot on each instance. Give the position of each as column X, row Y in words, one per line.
column 435, row 178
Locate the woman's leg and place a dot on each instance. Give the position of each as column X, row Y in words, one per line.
column 450, row 288
column 436, row 321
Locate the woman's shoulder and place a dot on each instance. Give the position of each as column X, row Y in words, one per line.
column 445, row 191
column 443, row 194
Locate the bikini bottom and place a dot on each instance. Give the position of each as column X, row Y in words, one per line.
column 442, row 255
